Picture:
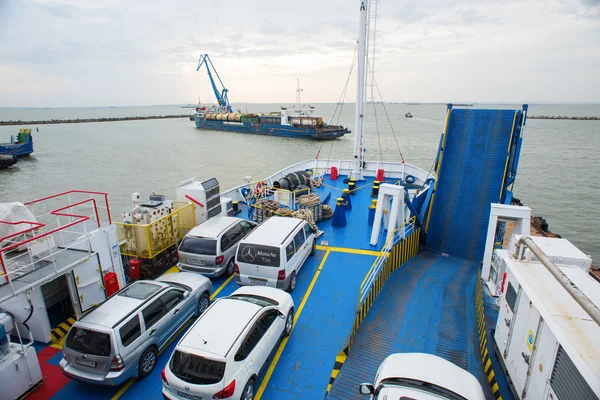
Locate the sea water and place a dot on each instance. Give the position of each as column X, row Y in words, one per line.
column 558, row 175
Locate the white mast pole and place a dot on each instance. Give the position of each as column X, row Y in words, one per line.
column 298, row 90
column 360, row 93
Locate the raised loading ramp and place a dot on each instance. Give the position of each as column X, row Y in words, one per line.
column 426, row 306
column 477, row 161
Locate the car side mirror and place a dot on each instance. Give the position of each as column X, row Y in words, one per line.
column 366, row 388
column 281, row 315
column 186, row 295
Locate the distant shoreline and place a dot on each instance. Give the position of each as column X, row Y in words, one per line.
column 87, row 120
column 116, row 119
column 563, row 117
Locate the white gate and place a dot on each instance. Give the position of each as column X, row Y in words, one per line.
column 89, row 283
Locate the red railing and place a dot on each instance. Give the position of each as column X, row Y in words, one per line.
column 56, row 212
column 76, row 191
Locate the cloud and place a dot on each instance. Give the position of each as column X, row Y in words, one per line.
column 118, row 52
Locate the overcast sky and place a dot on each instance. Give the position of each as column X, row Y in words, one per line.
column 126, row 52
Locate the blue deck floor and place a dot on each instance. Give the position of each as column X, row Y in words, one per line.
column 426, row 306
column 329, row 290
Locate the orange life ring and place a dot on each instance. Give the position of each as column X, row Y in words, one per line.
column 259, row 188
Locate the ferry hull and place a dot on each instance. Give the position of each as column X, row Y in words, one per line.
column 16, row 149
column 272, row 129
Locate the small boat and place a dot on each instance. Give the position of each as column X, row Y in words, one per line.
column 21, row 145
column 408, row 115
column 6, row 161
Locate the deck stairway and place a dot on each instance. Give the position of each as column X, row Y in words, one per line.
column 477, row 162
column 426, row 306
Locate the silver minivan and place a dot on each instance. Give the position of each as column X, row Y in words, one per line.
column 121, row 338
column 210, row 247
column 273, row 254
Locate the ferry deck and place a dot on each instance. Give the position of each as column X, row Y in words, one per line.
column 355, row 303
column 428, row 305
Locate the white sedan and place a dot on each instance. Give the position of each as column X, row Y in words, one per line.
column 422, row 376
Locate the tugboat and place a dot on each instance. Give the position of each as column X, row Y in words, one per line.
column 222, row 118
column 408, row 115
column 21, row 145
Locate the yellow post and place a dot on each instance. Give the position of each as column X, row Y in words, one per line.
column 148, row 243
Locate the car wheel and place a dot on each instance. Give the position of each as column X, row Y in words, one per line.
column 248, row 393
column 289, row 323
column 292, row 284
column 230, row 267
column 314, row 248
column 147, row 362
column 203, row 303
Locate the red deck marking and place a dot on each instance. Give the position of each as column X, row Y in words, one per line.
column 54, row 380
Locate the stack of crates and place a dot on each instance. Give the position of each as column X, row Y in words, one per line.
column 259, row 214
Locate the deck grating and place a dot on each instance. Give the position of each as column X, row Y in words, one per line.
column 378, row 332
column 422, row 308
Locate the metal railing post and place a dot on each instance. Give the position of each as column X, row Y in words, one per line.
column 51, row 254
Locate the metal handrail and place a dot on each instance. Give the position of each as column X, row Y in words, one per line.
column 178, row 233
column 105, row 194
column 56, row 212
column 585, row 302
column 376, row 268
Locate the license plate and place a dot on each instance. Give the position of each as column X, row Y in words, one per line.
column 188, row 396
column 86, row 363
column 195, row 261
column 258, row 281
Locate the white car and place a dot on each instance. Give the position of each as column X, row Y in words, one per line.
column 274, row 252
column 223, row 353
column 424, row 377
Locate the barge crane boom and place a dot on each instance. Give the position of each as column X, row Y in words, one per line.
column 221, row 95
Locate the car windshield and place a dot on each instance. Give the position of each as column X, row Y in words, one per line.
column 267, row 256
column 254, row 299
column 195, row 369
column 421, row 385
column 198, row 245
column 89, row 342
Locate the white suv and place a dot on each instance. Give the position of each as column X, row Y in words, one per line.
column 223, row 353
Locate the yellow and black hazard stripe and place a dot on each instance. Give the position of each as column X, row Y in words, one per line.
column 339, row 363
column 61, row 330
column 483, row 343
column 401, row 253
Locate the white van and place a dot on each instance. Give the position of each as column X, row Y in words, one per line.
column 273, row 253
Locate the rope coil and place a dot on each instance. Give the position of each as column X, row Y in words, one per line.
column 309, row 200
column 306, row 215
column 327, row 211
column 271, row 207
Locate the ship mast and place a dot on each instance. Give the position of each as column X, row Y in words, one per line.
column 298, row 90
column 360, row 93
